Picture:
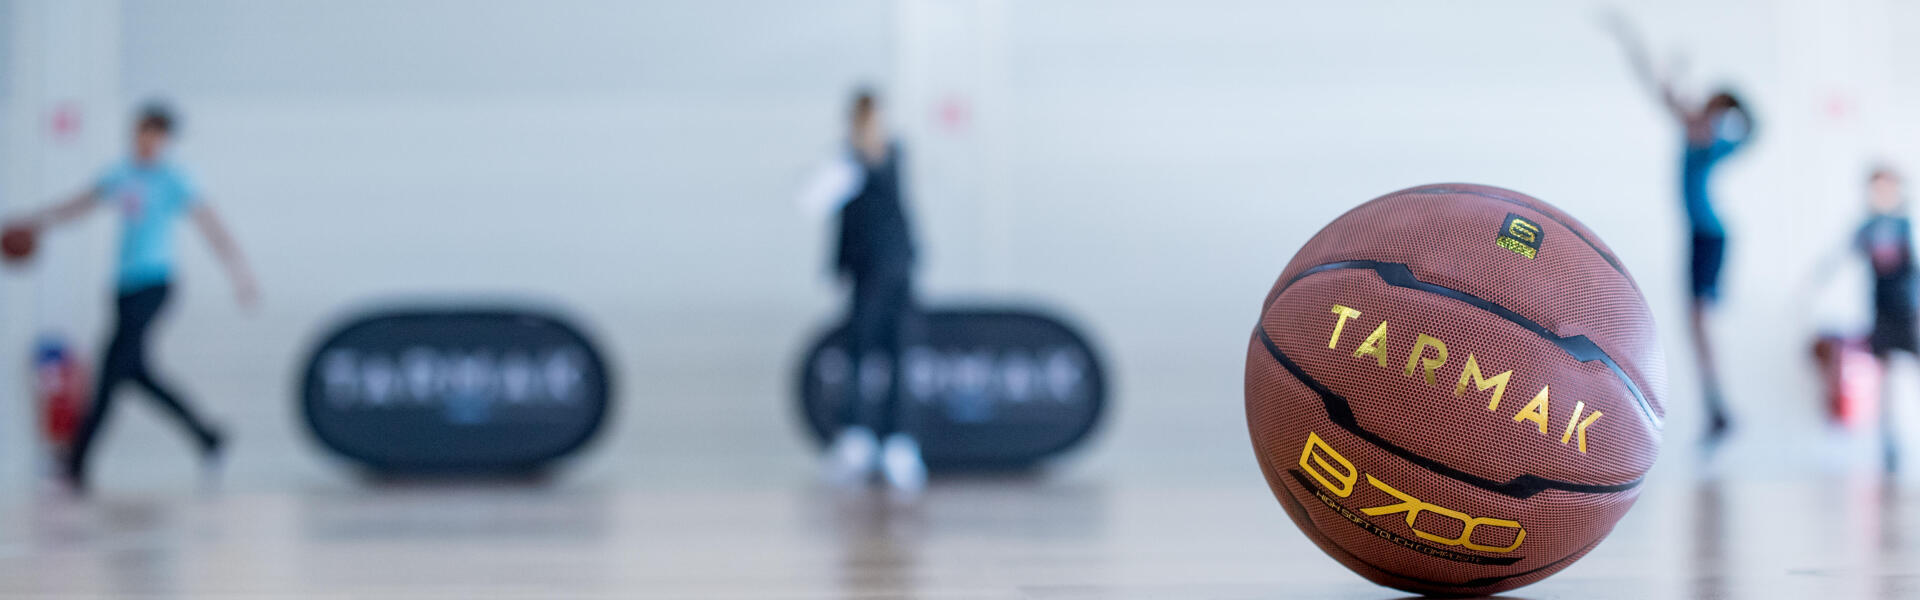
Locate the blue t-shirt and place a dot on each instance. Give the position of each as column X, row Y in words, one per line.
column 150, row 198
column 1696, row 172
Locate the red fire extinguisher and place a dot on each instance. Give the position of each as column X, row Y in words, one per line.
column 60, row 383
column 1851, row 377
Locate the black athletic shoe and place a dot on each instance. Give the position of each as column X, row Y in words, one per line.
column 213, row 446
column 72, row 478
column 213, row 455
column 1718, row 426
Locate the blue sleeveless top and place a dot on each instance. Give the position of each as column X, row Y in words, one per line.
column 1696, row 170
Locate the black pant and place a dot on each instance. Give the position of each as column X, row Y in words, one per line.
column 126, row 360
column 1894, row 331
column 882, row 308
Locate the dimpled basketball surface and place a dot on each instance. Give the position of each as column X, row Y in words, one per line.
column 1455, row 390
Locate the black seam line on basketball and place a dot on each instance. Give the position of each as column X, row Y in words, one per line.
column 1341, row 413
column 1479, row 582
column 1579, row 346
column 1614, row 262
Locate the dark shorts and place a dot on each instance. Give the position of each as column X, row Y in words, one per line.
column 1893, row 332
column 1709, row 254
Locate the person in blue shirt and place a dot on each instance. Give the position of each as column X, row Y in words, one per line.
column 1713, row 131
column 151, row 194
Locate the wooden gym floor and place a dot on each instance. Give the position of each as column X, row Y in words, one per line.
column 974, row 538
column 711, row 495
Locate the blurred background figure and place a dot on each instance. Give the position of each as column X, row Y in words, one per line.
column 875, row 253
column 1150, row 165
column 1712, row 131
column 151, row 193
column 1886, row 241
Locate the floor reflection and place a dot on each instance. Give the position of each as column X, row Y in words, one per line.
column 1045, row 538
column 1848, row 535
column 882, row 538
column 1709, row 540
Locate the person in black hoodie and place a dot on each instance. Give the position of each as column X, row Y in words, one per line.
column 1886, row 240
column 876, row 254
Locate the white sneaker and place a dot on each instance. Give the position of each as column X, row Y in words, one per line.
column 900, row 462
column 851, row 457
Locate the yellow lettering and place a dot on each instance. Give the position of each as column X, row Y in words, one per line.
column 1345, row 313
column 1414, row 506
column 1373, row 345
column 1314, row 458
column 1427, row 356
column 1572, row 420
column 1317, row 465
column 1536, row 410
column 1408, row 504
column 1420, row 346
column 1580, row 431
column 1480, row 380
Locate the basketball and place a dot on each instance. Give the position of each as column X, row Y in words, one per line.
column 1455, row 390
column 16, row 244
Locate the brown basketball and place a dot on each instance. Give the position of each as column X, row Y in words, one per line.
column 16, row 244
column 1455, row 390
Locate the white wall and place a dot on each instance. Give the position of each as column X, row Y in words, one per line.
column 1148, row 165
column 60, row 56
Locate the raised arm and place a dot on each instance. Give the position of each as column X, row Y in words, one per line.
column 1636, row 49
column 244, row 287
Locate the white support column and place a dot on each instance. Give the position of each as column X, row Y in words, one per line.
column 949, row 74
column 61, row 57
